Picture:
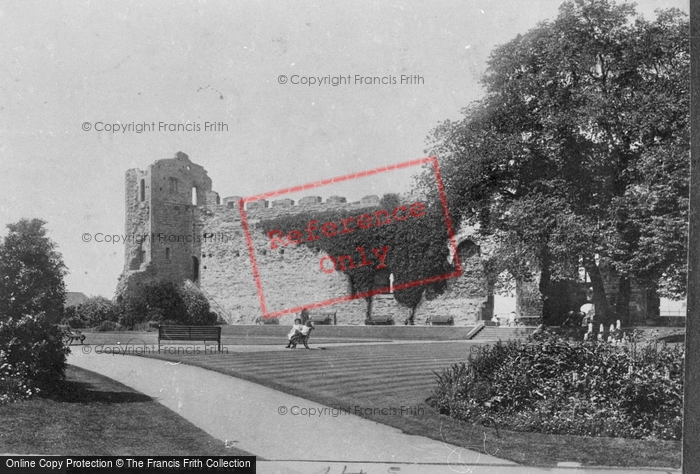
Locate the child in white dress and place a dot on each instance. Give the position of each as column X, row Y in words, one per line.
column 296, row 329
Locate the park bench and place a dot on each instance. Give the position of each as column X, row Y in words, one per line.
column 380, row 321
column 260, row 320
column 300, row 339
column 324, row 319
column 190, row 333
column 441, row 320
column 69, row 335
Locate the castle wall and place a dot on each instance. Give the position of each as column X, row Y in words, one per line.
column 290, row 277
column 202, row 240
column 464, row 295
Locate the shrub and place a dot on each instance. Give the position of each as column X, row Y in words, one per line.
column 165, row 302
column 554, row 385
column 14, row 386
column 74, row 322
column 154, row 301
column 197, row 308
column 108, row 326
column 32, row 357
column 94, row 311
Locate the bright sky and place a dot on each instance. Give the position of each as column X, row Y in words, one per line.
column 69, row 62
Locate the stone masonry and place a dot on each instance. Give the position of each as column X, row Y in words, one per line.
column 181, row 230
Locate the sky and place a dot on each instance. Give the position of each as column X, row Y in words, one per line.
column 68, row 66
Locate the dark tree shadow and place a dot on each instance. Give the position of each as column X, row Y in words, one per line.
column 84, row 386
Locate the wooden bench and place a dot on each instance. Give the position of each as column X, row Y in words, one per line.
column 69, row 335
column 190, row 333
column 380, row 321
column 260, row 320
column 324, row 319
column 441, row 320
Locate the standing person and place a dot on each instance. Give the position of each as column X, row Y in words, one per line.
column 296, row 329
column 304, row 315
column 588, row 310
column 511, row 319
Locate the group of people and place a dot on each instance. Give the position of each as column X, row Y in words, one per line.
column 512, row 320
column 583, row 317
column 300, row 333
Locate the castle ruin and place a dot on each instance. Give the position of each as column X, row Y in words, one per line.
column 190, row 233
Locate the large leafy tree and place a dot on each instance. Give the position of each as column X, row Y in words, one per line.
column 32, row 295
column 31, row 273
column 578, row 153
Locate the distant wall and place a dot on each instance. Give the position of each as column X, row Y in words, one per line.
column 466, row 298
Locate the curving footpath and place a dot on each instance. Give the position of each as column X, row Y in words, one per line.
column 260, row 420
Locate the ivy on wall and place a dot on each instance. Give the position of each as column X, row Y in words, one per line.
column 410, row 240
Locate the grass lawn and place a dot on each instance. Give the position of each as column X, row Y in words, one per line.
column 376, row 377
column 97, row 416
column 138, row 338
column 274, row 334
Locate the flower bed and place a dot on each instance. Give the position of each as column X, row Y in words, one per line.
column 554, row 385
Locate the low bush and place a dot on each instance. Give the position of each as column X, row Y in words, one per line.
column 165, row 303
column 32, row 357
column 108, row 326
column 14, row 385
column 91, row 313
column 73, row 322
column 553, row 385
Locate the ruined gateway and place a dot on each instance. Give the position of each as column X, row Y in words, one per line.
column 192, row 234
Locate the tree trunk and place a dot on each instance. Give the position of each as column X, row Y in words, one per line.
column 410, row 321
column 622, row 305
column 600, row 300
column 545, row 287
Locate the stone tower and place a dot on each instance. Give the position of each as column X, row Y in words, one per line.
column 164, row 240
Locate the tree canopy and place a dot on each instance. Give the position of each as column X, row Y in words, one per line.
column 578, row 154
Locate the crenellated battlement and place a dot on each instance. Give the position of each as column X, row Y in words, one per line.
column 310, row 202
column 264, row 209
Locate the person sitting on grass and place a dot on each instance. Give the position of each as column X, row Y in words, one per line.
column 296, row 329
column 303, row 335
